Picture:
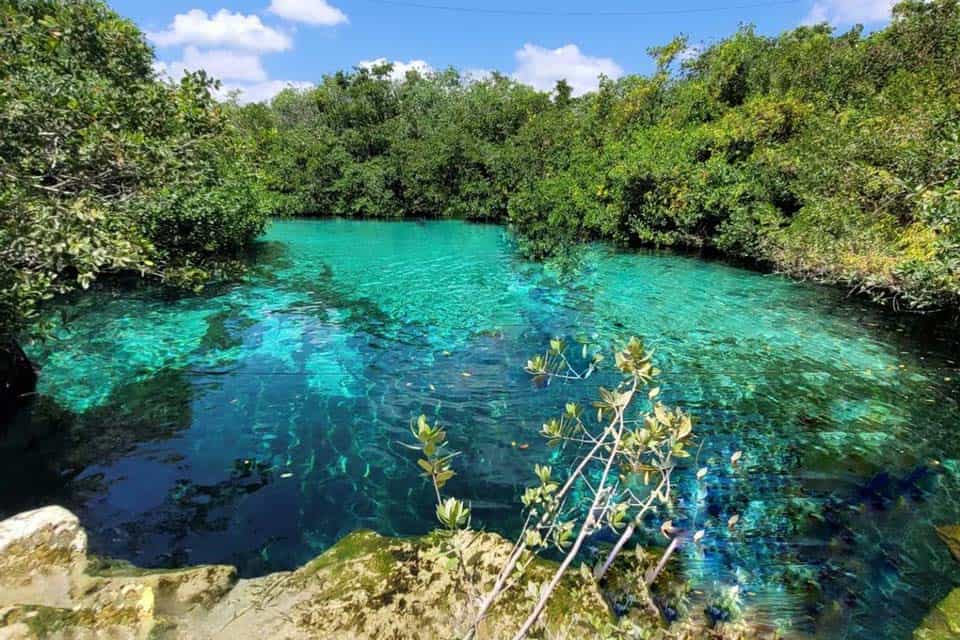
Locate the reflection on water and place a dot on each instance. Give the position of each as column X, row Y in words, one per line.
column 258, row 423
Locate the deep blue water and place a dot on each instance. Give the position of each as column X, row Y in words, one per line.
column 257, row 423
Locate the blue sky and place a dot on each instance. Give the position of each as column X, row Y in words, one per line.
column 259, row 46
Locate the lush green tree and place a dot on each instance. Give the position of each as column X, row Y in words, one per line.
column 821, row 154
column 104, row 168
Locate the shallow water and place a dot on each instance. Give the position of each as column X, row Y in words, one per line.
column 257, row 423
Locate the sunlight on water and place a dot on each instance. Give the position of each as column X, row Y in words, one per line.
column 259, row 422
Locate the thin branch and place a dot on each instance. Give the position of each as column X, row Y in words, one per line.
column 585, row 529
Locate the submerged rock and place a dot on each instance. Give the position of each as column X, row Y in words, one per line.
column 950, row 534
column 943, row 622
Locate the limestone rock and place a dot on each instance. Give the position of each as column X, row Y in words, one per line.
column 125, row 614
column 18, row 631
column 370, row 586
column 364, row 587
column 50, row 589
column 177, row 592
column 42, row 552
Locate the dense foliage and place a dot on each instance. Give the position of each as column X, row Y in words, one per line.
column 833, row 156
column 102, row 167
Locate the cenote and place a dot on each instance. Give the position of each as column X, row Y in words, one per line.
column 257, row 423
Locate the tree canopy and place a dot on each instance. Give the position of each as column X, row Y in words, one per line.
column 821, row 154
column 104, row 168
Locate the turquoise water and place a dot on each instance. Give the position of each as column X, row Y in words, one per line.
column 257, row 423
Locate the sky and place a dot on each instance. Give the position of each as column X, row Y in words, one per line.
column 258, row 47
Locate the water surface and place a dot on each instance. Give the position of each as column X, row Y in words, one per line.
column 257, row 423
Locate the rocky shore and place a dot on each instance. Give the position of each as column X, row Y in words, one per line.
column 366, row 586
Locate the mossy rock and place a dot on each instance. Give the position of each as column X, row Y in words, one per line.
column 943, row 623
column 371, row 586
column 411, row 588
column 364, row 587
column 124, row 613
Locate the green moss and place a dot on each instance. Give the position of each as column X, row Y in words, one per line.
column 43, row 621
column 943, row 623
column 49, row 621
column 379, row 579
column 103, row 567
column 353, row 546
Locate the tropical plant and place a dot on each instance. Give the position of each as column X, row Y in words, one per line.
column 821, row 154
column 104, row 168
column 622, row 457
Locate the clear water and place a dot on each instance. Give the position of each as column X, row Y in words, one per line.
column 257, row 423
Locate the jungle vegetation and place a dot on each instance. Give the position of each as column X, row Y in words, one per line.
column 817, row 153
column 834, row 156
column 103, row 168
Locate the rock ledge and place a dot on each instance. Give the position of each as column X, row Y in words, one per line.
column 365, row 586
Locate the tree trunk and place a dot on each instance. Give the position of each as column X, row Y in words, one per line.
column 18, row 378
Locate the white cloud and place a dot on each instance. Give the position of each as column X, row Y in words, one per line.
column 400, row 67
column 543, row 67
column 162, row 69
column 691, row 52
column 241, row 74
column 316, row 12
column 844, row 12
column 476, row 75
column 222, row 29
column 244, row 92
column 219, row 63
column 260, row 91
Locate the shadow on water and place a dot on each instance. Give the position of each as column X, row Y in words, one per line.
column 47, row 447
